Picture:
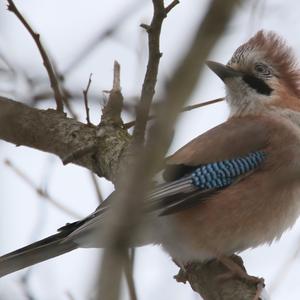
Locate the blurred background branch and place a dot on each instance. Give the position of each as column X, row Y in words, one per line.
column 43, row 194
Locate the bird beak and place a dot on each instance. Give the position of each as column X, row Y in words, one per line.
column 222, row 71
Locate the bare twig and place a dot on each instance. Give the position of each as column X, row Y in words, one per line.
column 85, row 97
column 67, row 103
column 97, row 188
column 46, row 61
column 128, row 269
column 117, row 77
column 185, row 109
column 148, row 88
column 10, row 67
column 145, row 26
column 24, row 282
column 171, row 5
column 35, row 234
column 191, row 107
column 74, row 95
column 40, row 192
column 111, row 113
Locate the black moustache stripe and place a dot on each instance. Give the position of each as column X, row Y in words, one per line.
column 257, row 84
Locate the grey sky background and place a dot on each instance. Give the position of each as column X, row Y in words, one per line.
column 66, row 27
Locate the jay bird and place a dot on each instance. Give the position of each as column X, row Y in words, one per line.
column 234, row 187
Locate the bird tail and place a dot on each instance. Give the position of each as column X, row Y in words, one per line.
column 37, row 252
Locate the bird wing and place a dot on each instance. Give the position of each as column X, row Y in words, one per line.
column 211, row 162
column 238, row 143
column 203, row 182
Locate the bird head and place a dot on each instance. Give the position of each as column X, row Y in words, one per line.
column 261, row 74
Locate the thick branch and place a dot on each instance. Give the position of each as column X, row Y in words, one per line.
column 52, row 132
column 206, row 279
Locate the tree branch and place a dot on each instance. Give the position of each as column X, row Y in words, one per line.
column 206, row 280
column 185, row 109
column 52, row 132
column 111, row 113
column 86, row 102
column 148, row 88
column 43, row 194
column 46, row 61
column 96, row 187
column 171, row 6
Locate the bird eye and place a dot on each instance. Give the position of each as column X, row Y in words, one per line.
column 262, row 69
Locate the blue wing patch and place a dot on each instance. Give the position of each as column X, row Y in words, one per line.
column 223, row 173
column 204, row 181
column 201, row 182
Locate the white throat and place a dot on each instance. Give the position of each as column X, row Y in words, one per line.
column 243, row 100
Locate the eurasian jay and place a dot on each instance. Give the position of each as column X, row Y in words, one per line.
column 234, row 187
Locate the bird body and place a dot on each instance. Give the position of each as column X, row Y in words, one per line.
column 195, row 221
column 257, row 209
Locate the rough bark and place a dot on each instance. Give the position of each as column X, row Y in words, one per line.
column 213, row 281
column 53, row 132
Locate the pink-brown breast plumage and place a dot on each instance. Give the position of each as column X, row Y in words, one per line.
column 255, row 210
